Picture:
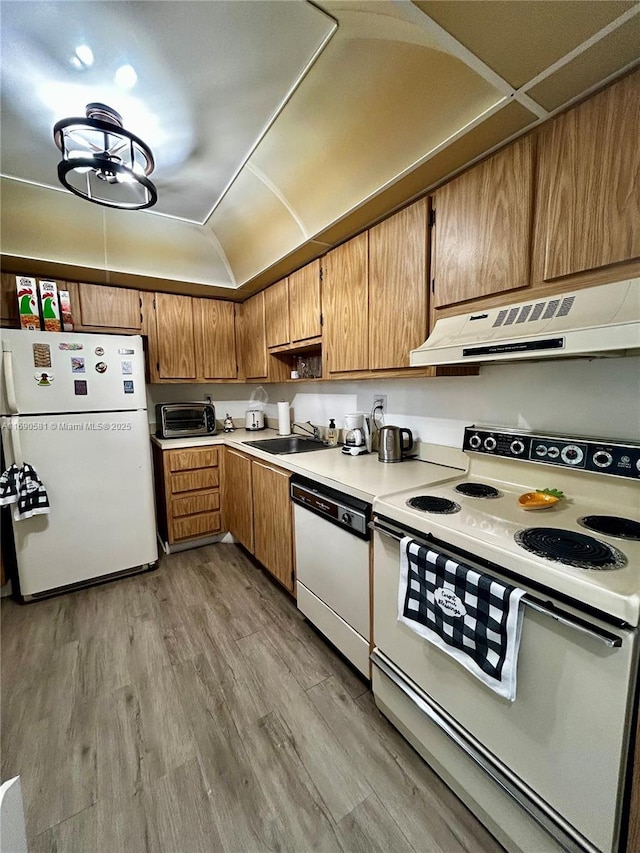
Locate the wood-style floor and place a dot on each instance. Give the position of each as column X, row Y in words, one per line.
column 192, row 710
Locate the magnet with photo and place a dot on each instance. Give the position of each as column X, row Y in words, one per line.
column 127, row 368
column 77, row 364
column 80, row 387
column 128, row 386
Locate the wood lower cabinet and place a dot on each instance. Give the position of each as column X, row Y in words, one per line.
column 257, row 511
column 272, row 522
column 187, row 493
column 588, row 196
column 237, row 497
column 483, row 221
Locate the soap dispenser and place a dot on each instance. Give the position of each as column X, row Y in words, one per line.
column 332, row 433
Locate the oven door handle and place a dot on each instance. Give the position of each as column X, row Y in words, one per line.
column 613, row 641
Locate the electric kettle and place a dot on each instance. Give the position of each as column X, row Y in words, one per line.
column 392, row 446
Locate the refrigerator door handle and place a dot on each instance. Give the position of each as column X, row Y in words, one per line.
column 16, row 444
column 9, row 384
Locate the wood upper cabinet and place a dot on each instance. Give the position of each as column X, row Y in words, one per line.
column 215, row 328
column 193, row 339
column 483, row 222
column 398, row 287
column 304, row 303
column 176, row 355
column 588, row 199
column 276, row 306
column 109, row 307
column 237, row 497
column 8, row 300
column 345, row 297
column 253, row 351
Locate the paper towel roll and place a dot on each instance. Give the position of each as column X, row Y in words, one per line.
column 284, row 426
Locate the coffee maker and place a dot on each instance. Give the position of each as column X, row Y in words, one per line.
column 358, row 437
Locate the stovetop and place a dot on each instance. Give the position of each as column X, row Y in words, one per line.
column 498, row 529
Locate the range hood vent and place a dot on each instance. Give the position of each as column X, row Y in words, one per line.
column 596, row 321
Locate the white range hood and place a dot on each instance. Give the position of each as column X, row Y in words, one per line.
column 595, row 321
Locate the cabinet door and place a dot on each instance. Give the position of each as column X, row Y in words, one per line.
column 215, row 320
column 9, row 301
column 175, row 338
column 272, row 522
column 109, row 307
column 276, row 307
column 483, row 228
column 345, row 296
column 589, row 183
column 237, row 500
column 254, row 343
column 398, row 287
column 304, row 303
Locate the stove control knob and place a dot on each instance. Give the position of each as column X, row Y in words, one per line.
column 552, row 453
column 541, row 450
column 602, row 459
column 490, row 443
column 475, row 441
column 572, row 454
column 517, row 447
column 346, row 518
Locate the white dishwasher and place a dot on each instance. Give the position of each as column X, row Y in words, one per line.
column 332, row 566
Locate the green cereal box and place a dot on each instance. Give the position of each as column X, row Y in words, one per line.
column 28, row 303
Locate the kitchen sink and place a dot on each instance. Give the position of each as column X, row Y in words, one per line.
column 288, row 444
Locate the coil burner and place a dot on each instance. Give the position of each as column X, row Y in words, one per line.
column 570, row 548
column 430, row 503
column 477, row 490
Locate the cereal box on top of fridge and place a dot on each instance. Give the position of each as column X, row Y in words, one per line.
column 50, row 306
column 28, row 302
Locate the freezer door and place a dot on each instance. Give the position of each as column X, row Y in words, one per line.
column 97, row 473
column 62, row 372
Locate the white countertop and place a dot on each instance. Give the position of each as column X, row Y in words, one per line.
column 361, row 476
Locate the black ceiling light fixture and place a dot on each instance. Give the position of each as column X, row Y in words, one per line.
column 104, row 163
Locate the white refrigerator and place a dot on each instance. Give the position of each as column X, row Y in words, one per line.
column 73, row 406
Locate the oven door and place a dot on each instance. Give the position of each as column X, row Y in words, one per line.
column 559, row 751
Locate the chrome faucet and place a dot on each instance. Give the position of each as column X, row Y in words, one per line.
column 314, row 431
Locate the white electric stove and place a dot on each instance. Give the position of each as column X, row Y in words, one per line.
column 578, row 563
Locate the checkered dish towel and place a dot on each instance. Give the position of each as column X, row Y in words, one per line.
column 23, row 487
column 470, row 616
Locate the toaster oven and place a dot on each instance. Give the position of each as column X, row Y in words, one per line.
column 178, row 420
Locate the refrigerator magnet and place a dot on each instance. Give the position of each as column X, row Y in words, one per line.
column 101, row 367
column 77, row 364
column 44, row 379
column 128, row 386
column 41, row 355
column 80, row 387
column 127, row 368
column 70, row 346
column 126, row 351
column 99, row 351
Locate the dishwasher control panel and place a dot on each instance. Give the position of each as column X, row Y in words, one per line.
column 343, row 510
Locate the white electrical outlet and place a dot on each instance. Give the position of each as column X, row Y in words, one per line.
column 380, row 402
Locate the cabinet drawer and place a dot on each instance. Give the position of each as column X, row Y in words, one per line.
column 195, row 525
column 191, row 481
column 193, row 457
column 203, row 502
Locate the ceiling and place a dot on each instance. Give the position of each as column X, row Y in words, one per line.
column 279, row 128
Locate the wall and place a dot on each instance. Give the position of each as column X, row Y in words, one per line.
column 599, row 397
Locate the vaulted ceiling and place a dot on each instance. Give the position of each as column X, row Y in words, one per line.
column 279, row 128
